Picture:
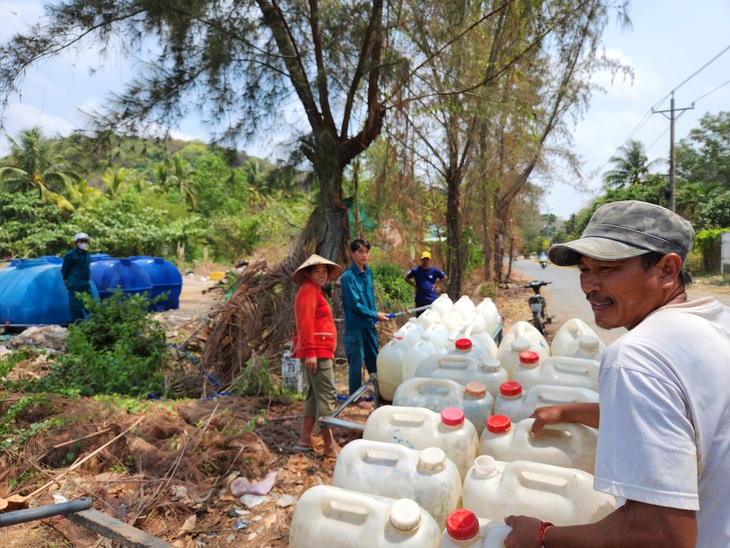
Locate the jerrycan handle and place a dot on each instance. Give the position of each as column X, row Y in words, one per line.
column 560, row 430
column 437, row 387
column 453, row 361
column 553, row 396
column 388, row 456
column 572, row 368
column 538, row 477
column 351, row 507
column 405, row 417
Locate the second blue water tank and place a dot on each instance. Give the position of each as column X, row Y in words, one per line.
column 125, row 274
column 165, row 278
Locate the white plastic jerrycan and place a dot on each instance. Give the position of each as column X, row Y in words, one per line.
column 438, row 394
column 464, row 368
column 563, row 496
column 511, row 401
column 438, row 335
column 415, row 354
column 392, row 470
column 419, row 428
column 481, row 340
column 509, row 356
column 558, row 371
column 544, row 395
column 464, row 528
column 442, row 304
column 489, row 312
column 464, row 305
column 390, row 367
column 566, row 444
column 527, row 331
column 429, row 317
column 410, row 331
column 326, row 516
column 576, row 339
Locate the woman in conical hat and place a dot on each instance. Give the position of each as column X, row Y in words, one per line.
column 315, row 340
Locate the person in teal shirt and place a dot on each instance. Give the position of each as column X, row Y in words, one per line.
column 76, row 272
column 358, row 302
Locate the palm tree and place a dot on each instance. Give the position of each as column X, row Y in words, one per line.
column 182, row 178
column 631, row 166
column 115, row 179
column 30, row 165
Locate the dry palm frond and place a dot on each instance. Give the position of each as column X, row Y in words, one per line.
column 257, row 319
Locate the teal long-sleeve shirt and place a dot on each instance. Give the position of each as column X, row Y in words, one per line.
column 358, row 298
column 76, row 268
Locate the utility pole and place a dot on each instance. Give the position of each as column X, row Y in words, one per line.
column 669, row 191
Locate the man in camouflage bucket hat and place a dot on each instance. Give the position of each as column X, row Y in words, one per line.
column 664, row 437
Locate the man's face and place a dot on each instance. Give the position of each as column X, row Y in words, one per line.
column 361, row 256
column 425, row 263
column 621, row 293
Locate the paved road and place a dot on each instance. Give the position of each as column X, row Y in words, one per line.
column 566, row 300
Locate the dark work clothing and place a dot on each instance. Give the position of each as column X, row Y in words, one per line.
column 76, row 272
column 425, row 278
column 361, row 337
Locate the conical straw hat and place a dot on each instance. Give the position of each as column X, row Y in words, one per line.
column 333, row 268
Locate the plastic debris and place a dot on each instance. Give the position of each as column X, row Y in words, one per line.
column 241, row 486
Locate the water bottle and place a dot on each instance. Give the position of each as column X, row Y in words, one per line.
column 395, row 471
column 566, row 444
column 327, row 516
column 563, row 496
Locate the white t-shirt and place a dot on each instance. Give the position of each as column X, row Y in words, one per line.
column 664, row 434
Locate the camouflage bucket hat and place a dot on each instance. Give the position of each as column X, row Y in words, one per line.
column 622, row 230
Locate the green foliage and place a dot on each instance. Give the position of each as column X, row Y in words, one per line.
column 29, row 227
column 257, row 380
column 715, row 211
column 391, row 287
column 120, row 349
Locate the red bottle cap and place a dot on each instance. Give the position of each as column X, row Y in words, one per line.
column 452, row 416
column 463, row 344
column 498, row 424
column 462, row 524
column 510, row 388
column 529, row 356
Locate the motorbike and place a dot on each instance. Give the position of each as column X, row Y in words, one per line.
column 538, row 305
column 543, row 263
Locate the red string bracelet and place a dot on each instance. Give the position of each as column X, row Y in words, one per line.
column 543, row 528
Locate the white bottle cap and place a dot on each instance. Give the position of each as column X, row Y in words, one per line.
column 520, row 345
column 432, row 459
column 588, row 343
column 485, row 466
column 405, row 515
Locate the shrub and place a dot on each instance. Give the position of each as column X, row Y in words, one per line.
column 120, row 349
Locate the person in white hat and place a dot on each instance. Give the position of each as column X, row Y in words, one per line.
column 76, row 272
column 315, row 340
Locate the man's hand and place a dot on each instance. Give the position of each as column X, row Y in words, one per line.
column 311, row 364
column 525, row 532
column 383, row 317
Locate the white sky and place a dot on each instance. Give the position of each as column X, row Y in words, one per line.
column 669, row 42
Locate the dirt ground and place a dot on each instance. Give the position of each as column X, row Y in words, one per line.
column 167, row 467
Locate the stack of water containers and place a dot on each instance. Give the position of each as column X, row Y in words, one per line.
column 32, row 290
column 456, row 441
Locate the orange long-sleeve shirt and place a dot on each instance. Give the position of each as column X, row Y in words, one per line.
column 315, row 334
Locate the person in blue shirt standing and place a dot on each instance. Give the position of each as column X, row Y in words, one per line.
column 358, row 302
column 425, row 278
column 76, row 272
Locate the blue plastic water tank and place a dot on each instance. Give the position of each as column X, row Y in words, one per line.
column 32, row 293
column 52, row 259
column 99, row 256
column 165, row 278
column 130, row 277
